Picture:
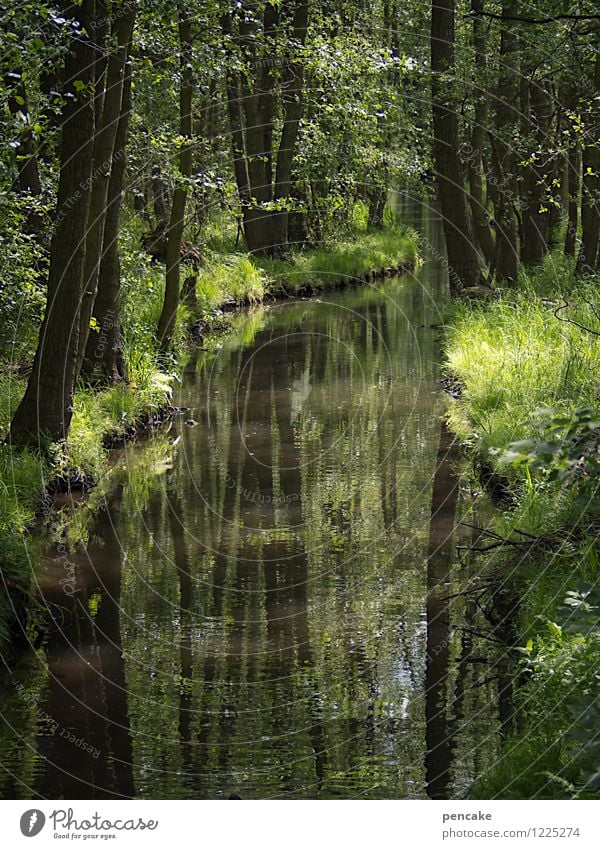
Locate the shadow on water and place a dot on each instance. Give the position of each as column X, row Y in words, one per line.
column 267, row 603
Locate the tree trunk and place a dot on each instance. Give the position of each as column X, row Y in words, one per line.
column 293, row 108
column 104, row 147
column 535, row 208
column 574, row 188
column 159, row 198
column 45, row 411
column 477, row 183
column 507, row 115
column 166, row 322
column 188, row 292
column 103, row 361
column 251, row 109
column 458, row 230
column 587, row 259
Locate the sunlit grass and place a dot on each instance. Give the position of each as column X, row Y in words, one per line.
column 239, row 278
column 512, row 357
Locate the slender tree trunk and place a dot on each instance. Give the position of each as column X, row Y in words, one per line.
column 166, row 322
column 507, row 250
column 46, row 408
column 587, row 259
column 535, row 208
column 477, row 183
column 159, row 198
column 103, row 361
column 458, row 228
column 574, row 184
column 104, row 147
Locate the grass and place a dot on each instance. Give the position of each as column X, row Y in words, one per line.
column 235, row 278
column 325, row 267
column 512, row 357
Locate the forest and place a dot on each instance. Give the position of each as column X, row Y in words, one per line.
column 300, row 399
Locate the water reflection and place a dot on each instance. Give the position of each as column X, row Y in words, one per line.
column 265, row 613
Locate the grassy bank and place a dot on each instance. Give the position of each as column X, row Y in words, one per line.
column 228, row 278
column 528, row 373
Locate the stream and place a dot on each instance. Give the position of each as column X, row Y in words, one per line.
column 262, row 607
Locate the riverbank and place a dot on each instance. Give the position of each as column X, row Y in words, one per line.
column 526, row 367
column 228, row 280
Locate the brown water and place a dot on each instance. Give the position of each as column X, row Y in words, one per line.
column 261, row 607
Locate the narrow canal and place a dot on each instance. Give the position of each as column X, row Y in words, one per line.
column 262, row 607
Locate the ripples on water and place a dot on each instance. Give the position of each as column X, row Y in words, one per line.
column 261, row 605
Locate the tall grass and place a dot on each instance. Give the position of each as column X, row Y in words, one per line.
column 343, row 261
column 514, row 356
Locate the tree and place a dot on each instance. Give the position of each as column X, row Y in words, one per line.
column 255, row 88
column 458, row 229
column 477, row 181
column 507, row 116
column 46, row 408
column 104, row 148
column 166, row 322
column 103, row 360
column 587, row 258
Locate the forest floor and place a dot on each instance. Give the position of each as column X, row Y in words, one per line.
column 229, row 279
column 525, row 368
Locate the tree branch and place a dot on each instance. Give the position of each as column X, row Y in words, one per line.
column 523, row 20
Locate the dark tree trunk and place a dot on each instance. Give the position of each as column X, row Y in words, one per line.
column 103, row 361
column 458, row 229
column 535, row 207
column 166, row 322
column 507, row 116
column 104, row 147
column 574, row 190
column 477, row 183
column 188, row 292
column 293, row 108
column 587, row 259
column 46, row 408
